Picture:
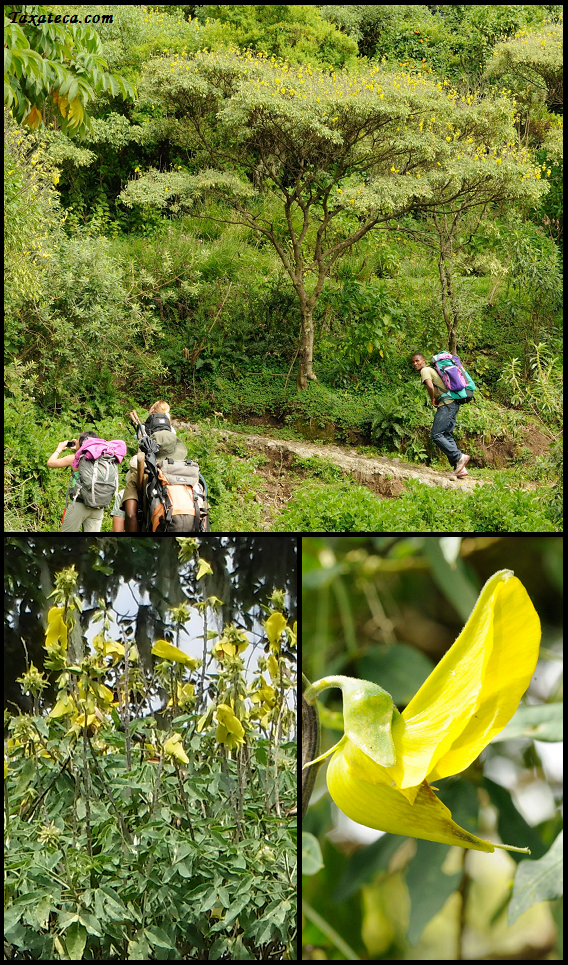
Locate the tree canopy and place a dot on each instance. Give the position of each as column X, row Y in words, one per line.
column 313, row 160
column 244, row 570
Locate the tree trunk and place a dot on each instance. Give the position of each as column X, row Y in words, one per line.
column 448, row 302
column 306, row 356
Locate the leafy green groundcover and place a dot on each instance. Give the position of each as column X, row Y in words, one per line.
column 339, row 507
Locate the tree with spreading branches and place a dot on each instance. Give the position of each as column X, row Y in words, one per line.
column 312, row 160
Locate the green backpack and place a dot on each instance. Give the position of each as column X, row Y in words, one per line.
column 459, row 383
column 95, row 481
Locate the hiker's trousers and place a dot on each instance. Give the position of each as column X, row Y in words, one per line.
column 77, row 515
column 442, row 432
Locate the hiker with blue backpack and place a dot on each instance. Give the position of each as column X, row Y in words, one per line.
column 449, row 386
column 94, row 479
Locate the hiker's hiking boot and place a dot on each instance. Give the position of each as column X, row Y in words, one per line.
column 461, row 474
column 461, row 464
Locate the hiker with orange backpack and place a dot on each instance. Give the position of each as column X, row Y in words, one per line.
column 94, row 479
column 164, row 491
column 136, row 477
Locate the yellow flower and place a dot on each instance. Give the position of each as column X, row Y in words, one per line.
column 65, row 705
column 56, row 628
column 106, row 647
column 204, row 568
column 274, row 627
column 230, row 731
column 232, row 643
column 272, row 665
column 173, row 747
column 380, row 771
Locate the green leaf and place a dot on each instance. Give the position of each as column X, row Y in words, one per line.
column 543, row 722
column 312, row 860
column 537, row 881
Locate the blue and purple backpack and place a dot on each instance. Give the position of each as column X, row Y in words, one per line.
column 459, row 384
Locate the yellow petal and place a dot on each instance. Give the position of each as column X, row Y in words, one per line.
column 475, row 688
column 386, row 809
column 113, row 646
column 106, row 647
column 227, row 737
column 56, row 627
column 167, row 651
column 102, row 692
column 65, row 705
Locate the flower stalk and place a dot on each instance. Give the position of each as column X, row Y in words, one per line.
column 310, row 745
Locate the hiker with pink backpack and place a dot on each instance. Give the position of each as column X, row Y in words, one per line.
column 94, row 479
column 449, row 386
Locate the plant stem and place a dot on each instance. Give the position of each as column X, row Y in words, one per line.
column 310, row 746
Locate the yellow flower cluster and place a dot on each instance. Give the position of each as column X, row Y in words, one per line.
column 330, row 90
column 289, row 79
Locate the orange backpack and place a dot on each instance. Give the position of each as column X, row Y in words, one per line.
column 178, row 499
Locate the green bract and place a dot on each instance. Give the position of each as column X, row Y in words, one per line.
column 368, row 714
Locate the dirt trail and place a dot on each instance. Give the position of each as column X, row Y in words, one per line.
column 385, row 476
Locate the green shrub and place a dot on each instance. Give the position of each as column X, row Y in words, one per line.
column 344, row 507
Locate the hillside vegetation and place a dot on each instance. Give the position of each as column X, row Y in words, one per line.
column 258, row 214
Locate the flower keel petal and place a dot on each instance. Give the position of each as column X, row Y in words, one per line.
column 386, row 809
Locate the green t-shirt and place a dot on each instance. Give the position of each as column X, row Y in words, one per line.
column 439, row 388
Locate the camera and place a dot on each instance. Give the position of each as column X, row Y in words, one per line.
column 70, row 444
